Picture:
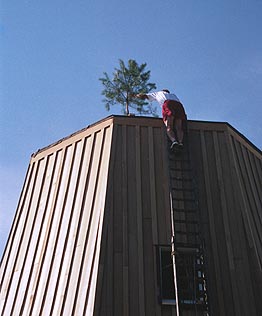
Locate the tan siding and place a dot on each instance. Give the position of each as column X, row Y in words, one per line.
column 8, row 257
column 95, row 205
column 51, row 260
column 214, row 254
column 229, row 183
column 139, row 216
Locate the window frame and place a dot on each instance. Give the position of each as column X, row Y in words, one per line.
column 164, row 300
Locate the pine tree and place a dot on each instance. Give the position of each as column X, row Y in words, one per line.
column 128, row 81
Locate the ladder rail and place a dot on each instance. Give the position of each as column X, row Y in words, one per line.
column 181, row 173
column 173, row 254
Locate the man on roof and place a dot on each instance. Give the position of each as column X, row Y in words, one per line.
column 173, row 114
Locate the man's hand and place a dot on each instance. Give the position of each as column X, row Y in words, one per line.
column 141, row 96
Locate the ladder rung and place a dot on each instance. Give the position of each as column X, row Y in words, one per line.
column 197, row 280
column 188, row 245
column 200, row 304
column 197, row 268
column 182, row 190
column 185, row 200
column 188, row 301
column 181, row 178
column 186, row 233
column 183, row 160
column 184, row 221
column 181, row 169
column 201, row 293
column 187, row 250
column 183, row 210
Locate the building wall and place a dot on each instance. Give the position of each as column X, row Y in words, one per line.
column 95, row 206
column 138, row 220
column 228, row 172
column 50, row 263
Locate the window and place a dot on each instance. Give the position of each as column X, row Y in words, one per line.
column 167, row 288
column 189, row 273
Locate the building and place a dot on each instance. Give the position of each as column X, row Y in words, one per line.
column 101, row 211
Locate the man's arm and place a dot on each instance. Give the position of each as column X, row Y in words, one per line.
column 141, row 96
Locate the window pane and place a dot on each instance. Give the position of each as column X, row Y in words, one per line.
column 168, row 290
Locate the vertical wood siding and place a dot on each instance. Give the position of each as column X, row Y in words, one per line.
column 95, row 206
column 228, row 173
column 138, row 213
column 50, row 263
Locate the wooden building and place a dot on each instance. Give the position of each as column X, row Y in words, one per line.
column 98, row 211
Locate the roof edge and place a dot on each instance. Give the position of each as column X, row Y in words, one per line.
column 135, row 118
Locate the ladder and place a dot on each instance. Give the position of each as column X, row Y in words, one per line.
column 186, row 241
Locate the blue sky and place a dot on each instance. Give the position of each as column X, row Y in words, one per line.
column 53, row 52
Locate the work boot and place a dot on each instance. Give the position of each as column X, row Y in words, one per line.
column 174, row 144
